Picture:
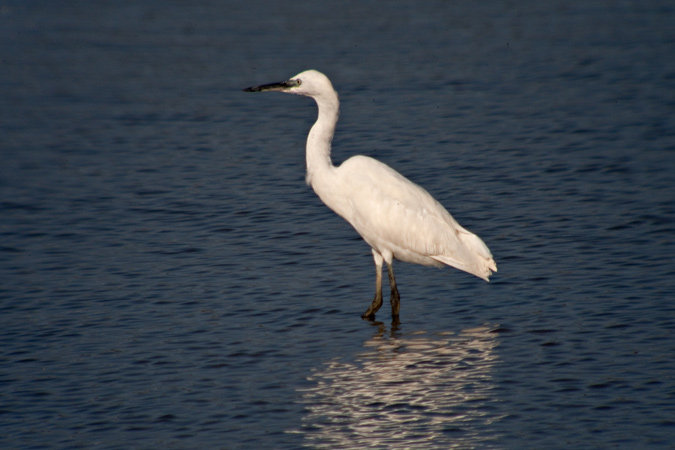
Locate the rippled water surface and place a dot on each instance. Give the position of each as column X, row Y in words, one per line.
column 167, row 279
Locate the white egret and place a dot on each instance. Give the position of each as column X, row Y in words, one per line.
column 396, row 217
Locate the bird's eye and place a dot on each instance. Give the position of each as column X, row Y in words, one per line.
column 298, row 82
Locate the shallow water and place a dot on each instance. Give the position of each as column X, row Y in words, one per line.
column 167, row 280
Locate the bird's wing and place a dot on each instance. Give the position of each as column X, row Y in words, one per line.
column 389, row 207
column 392, row 212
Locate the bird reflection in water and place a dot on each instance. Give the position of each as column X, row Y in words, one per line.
column 413, row 391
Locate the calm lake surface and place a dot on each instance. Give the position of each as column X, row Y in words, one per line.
column 167, row 279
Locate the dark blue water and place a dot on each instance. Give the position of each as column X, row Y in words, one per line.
column 167, row 280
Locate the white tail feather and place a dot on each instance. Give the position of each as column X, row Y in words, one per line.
column 475, row 258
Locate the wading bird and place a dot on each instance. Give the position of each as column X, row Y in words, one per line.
column 396, row 217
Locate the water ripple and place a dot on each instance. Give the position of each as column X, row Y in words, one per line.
column 412, row 391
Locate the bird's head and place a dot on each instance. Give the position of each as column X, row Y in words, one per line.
column 310, row 83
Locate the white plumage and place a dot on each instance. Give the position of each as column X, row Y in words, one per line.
column 396, row 217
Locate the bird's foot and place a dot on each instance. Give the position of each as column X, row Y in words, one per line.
column 367, row 316
column 374, row 307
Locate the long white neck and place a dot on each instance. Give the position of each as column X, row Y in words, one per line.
column 321, row 135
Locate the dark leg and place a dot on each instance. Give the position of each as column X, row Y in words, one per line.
column 377, row 301
column 395, row 297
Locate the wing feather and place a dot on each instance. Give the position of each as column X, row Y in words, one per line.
column 393, row 214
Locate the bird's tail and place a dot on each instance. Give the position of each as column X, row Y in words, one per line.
column 474, row 257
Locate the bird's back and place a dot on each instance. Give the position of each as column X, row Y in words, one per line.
column 396, row 216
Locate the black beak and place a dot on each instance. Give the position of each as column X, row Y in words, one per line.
column 282, row 86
